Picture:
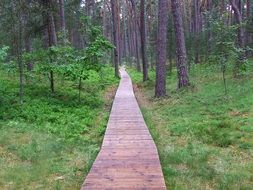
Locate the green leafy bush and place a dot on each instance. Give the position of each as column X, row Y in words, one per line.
column 3, row 53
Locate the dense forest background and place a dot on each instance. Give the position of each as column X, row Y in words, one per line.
column 191, row 63
column 145, row 34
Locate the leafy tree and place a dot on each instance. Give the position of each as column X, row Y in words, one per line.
column 225, row 53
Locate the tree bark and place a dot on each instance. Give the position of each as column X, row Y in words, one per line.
column 28, row 49
column 90, row 7
column 238, row 17
column 182, row 70
column 51, row 33
column 143, row 41
column 236, row 7
column 126, row 38
column 160, row 87
column 118, row 12
column 136, row 35
column 62, row 21
column 130, row 30
column 104, row 19
column 115, row 37
column 249, row 8
column 62, row 15
column 52, row 41
column 248, row 34
column 19, row 54
column 27, row 36
column 223, row 6
column 209, row 32
column 196, row 28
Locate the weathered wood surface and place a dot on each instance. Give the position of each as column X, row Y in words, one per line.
column 128, row 158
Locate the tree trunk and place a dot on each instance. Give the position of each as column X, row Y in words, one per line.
column 249, row 8
column 62, row 15
column 182, row 70
column 248, row 34
column 89, row 4
column 115, row 37
column 19, row 55
column 126, row 38
column 118, row 31
column 240, row 6
column 51, row 33
column 236, row 7
column 136, row 35
column 130, row 31
column 223, row 6
column 209, row 32
column 170, row 45
column 28, row 49
column 52, row 41
column 197, row 28
column 27, row 37
column 62, row 20
column 104, row 20
column 143, row 41
column 160, row 87
column 238, row 17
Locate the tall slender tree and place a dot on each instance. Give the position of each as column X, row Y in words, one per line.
column 237, row 8
column 89, row 5
column 223, row 6
column 182, row 71
column 115, row 36
column 136, row 36
column 19, row 50
column 143, row 41
column 248, row 14
column 160, row 87
column 249, row 4
column 196, row 7
column 50, row 32
column 209, row 32
column 27, row 32
column 239, row 19
column 62, row 20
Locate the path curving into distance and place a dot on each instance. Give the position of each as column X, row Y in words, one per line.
column 128, row 159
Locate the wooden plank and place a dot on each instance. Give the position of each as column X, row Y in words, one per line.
column 128, row 158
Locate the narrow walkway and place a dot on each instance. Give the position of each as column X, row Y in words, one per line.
column 128, row 159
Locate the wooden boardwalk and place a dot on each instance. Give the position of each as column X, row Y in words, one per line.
column 128, row 158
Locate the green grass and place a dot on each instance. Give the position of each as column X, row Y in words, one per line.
column 51, row 141
column 204, row 137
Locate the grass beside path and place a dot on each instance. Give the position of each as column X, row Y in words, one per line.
column 51, row 141
column 204, row 137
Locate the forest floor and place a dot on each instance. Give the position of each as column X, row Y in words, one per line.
column 203, row 136
column 52, row 140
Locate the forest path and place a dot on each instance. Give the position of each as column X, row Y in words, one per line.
column 128, row 158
